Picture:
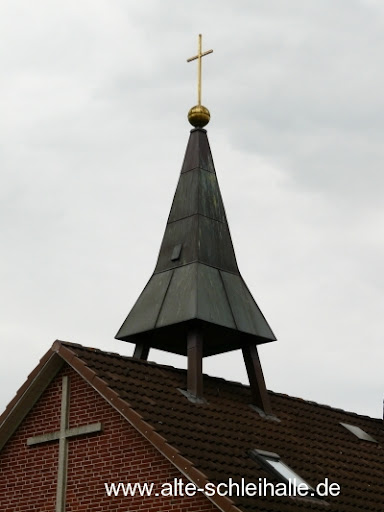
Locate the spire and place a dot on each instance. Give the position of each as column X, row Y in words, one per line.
column 196, row 280
column 196, row 303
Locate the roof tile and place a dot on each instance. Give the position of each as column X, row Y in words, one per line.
column 218, row 436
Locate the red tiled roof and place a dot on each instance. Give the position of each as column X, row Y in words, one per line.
column 213, row 441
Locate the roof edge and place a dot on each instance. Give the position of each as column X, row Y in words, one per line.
column 29, row 393
column 38, row 380
column 181, row 463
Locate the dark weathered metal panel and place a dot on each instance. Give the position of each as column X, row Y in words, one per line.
column 182, row 232
column 144, row 313
column 212, row 301
column 185, row 202
column 215, row 245
column 180, row 302
column 197, row 192
column 191, row 158
column 206, row 160
column 210, row 201
column 248, row 316
column 198, row 152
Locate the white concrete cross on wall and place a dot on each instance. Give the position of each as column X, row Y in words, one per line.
column 62, row 436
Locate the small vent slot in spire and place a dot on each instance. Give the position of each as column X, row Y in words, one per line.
column 176, row 252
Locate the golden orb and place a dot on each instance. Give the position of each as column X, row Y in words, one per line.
column 199, row 116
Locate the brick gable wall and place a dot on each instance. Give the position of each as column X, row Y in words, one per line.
column 118, row 454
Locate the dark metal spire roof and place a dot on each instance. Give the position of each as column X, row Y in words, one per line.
column 196, row 280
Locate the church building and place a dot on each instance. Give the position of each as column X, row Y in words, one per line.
column 96, row 431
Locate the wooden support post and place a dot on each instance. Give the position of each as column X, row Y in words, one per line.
column 141, row 351
column 195, row 363
column 259, row 392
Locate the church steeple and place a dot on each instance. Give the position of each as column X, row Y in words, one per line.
column 196, row 279
column 196, row 303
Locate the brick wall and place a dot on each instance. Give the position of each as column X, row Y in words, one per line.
column 118, row 454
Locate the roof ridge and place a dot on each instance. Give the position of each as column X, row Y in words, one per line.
column 151, row 363
column 121, row 356
column 220, row 379
column 325, row 406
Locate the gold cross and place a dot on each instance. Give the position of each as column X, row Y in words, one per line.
column 198, row 56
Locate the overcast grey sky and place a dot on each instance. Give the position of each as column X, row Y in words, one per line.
column 94, row 97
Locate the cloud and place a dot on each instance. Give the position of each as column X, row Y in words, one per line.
column 94, row 98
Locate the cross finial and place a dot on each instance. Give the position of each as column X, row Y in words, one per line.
column 199, row 56
column 199, row 116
